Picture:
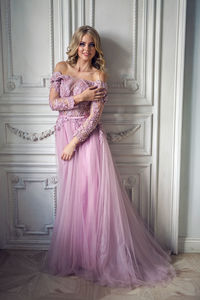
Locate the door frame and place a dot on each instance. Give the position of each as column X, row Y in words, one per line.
column 171, row 191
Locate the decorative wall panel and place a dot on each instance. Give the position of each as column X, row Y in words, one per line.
column 31, row 206
column 34, row 36
column 137, row 181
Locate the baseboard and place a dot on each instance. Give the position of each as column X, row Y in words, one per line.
column 188, row 245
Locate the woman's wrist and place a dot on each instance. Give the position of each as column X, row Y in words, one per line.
column 78, row 99
column 74, row 141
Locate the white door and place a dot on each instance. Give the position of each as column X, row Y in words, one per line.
column 143, row 43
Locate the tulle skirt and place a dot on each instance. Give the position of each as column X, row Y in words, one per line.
column 98, row 235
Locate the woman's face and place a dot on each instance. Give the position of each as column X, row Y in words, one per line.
column 86, row 49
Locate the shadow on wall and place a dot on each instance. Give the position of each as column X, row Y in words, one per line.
column 186, row 160
column 117, row 58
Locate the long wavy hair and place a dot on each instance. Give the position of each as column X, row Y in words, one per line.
column 98, row 60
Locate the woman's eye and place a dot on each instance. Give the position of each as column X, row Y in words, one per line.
column 90, row 45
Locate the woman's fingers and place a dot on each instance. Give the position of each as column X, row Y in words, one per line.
column 96, row 87
column 66, row 157
column 63, row 156
column 93, row 87
column 100, row 95
column 98, row 92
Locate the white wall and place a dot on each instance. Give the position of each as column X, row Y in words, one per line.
column 145, row 58
column 189, row 224
column 28, row 174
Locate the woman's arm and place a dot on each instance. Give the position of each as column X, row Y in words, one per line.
column 55, row 101
column 91, row 122
column 66, row 103
column 92, row 93
column 96, row 110
column 83, row 132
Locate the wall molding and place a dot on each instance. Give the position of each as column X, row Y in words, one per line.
column 188, row 245
column 92, row 13
column 19, row 183
column 170, row 121
column 18, row 230
column 137, row 182
column 178, row 99
column 156, row 103
column 15, row 82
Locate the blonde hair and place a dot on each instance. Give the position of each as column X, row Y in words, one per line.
column 98, row 60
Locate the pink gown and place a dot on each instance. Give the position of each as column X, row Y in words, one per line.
column 97, row 233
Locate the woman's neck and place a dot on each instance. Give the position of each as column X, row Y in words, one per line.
column 82, row 66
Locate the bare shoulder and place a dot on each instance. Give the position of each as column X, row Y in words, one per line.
column 102, row 76
column 61, row 67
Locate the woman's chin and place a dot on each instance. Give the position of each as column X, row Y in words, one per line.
column 86, row 58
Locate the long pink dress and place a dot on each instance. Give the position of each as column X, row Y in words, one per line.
column 97, row 233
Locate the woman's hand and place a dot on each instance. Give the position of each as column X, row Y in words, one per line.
column 92, row 93
column 68, row 151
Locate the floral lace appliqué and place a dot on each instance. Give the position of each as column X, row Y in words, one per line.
column 62, row 103
column 91, row 122
column 85, row 116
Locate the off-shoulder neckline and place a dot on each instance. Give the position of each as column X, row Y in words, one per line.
column 65, row 75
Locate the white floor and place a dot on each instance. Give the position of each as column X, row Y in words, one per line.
column 20, row 278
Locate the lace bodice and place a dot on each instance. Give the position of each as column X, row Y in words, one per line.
column 64, row 88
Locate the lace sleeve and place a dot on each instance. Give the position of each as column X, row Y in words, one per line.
column 91, row 122
column 55, row 101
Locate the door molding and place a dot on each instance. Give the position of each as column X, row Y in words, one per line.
column 170, row 119
column 179, row 85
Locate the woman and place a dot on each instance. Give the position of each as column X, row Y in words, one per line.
column 97, row 233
